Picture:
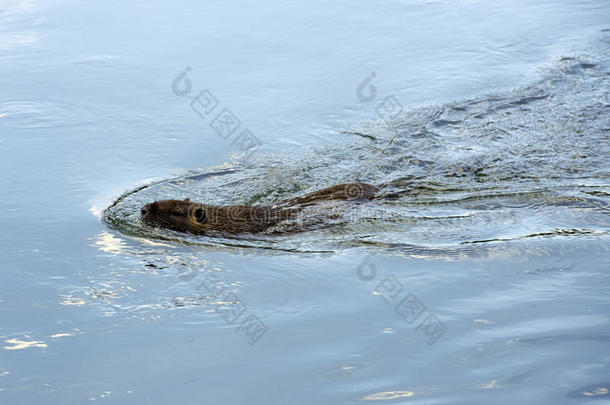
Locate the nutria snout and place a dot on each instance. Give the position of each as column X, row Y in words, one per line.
column 199, row 219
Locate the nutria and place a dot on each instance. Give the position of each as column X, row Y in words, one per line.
column 198, row 219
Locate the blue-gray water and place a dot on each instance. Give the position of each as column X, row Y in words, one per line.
column 485, row 280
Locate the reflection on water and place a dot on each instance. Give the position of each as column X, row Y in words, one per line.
column 109, row 243
column 13, row 15
column 381, row 396
column 69, row 300
column 22, row 344
column 597, row 391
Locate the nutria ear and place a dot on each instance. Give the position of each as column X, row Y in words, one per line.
column 187, row 200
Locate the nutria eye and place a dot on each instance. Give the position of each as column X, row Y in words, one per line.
column 200, row 215
column 176, row 214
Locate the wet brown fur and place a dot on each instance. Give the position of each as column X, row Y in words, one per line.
column 181, row 215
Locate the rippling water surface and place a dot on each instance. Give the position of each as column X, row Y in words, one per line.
column 481, row 275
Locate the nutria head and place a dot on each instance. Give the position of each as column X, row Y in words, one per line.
column 181, row 216
column 201, row 219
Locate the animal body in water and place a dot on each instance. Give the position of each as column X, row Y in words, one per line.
column 200, row 219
